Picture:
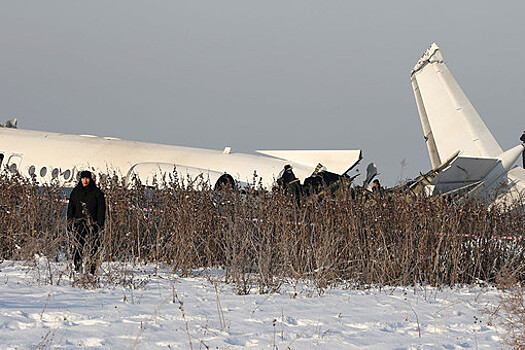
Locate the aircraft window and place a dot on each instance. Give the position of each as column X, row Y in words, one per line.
column 31, row 170
column 1, row 158
column 67, row 174
column 43, row 171
column 54, row 173
column 12, row 168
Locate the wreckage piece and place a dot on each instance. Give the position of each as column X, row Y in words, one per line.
column 12, row 123
column 451, row 125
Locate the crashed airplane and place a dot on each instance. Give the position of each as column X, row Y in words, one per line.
column 465, row 157
column 460, row 146
column 57, row 157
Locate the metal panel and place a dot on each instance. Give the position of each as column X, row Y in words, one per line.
column 448, row 115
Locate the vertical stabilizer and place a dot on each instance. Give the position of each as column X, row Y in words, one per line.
column 450, row 122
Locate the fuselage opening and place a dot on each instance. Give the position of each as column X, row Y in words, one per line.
column 225, row 181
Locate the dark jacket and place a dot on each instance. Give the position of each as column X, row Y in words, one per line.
column 287, row 177
column 92, row 198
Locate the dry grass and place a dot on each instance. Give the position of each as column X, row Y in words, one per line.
column 513, row 306
column 261, row 238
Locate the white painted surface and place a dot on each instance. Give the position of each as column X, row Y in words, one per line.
column 337, row 162
column 451, row 125
column 453, row 121
column 105, row 154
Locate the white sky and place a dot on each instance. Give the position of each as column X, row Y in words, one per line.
column 257, row 75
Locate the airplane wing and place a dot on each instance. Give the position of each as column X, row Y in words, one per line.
column 463, row 171
column 450, row 122
column 335, row 161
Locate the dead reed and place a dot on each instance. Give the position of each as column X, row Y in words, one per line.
column 261, row 238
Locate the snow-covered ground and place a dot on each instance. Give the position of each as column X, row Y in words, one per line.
column 170, row 312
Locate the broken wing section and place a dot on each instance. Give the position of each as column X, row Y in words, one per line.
column 463, row 171
column 450, row 122
column 335, row 161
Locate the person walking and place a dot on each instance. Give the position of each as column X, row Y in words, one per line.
column 86, row 215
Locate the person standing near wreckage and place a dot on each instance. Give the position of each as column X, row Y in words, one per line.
column 290, row 183
column 86, row 215
column 522, row 138
column 377, row 188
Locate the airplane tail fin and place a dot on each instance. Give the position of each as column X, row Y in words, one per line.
column 450, row 122
column 452, row 126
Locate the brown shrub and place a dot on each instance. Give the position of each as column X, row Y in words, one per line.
column 261, row 238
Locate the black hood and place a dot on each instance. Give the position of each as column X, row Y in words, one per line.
column 88, row 187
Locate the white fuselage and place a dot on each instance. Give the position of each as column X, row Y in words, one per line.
column 50, row 156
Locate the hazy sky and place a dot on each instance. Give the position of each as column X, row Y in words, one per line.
column 258, row 75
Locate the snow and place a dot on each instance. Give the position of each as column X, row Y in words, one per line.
column 165, row 311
